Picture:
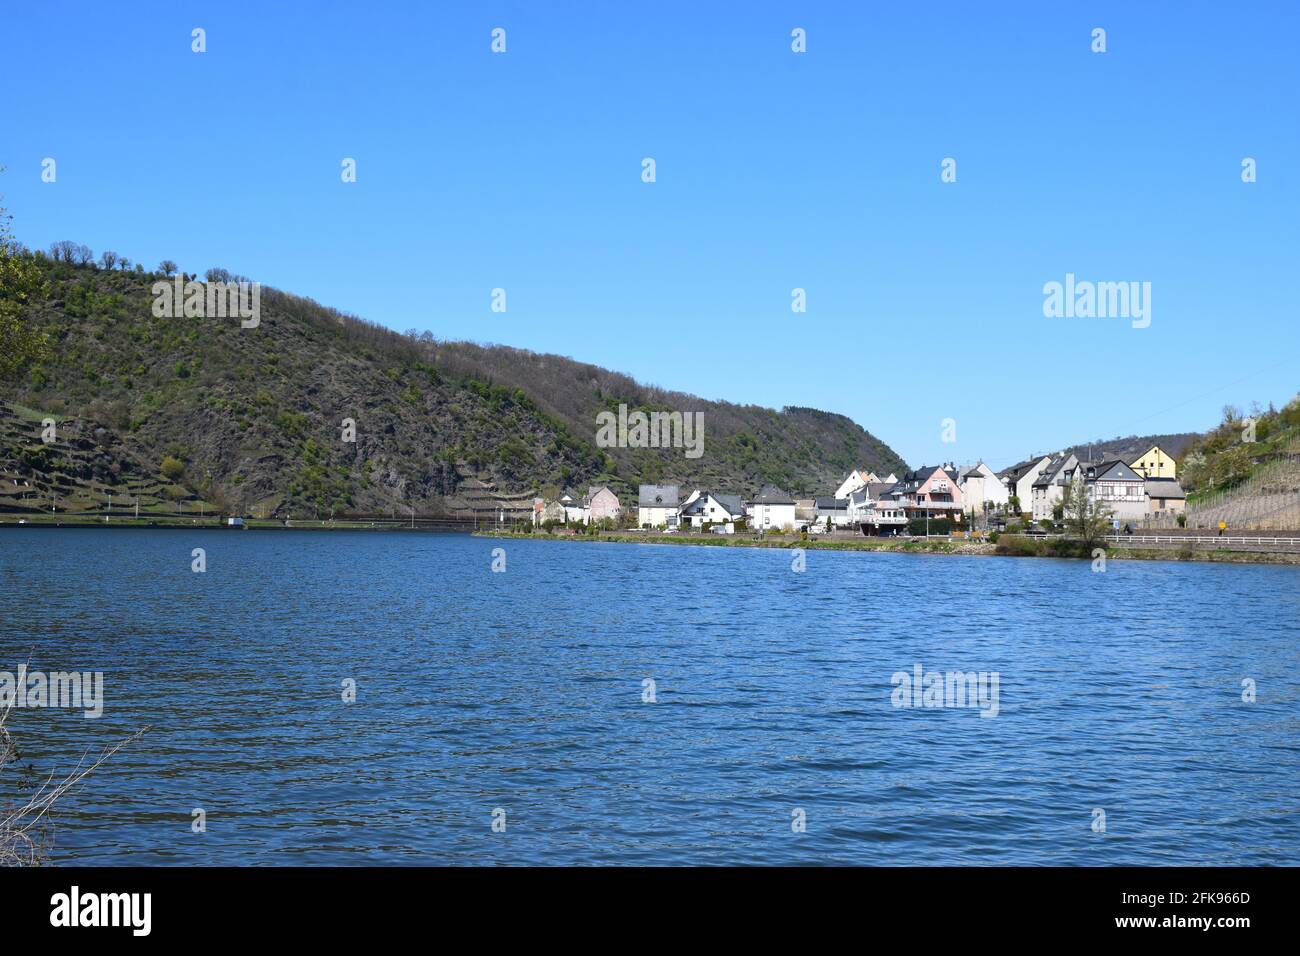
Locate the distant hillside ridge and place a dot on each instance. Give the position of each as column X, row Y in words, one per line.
column 1134, row 445
column 254, row 420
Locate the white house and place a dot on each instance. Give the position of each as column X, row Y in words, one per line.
column 656, row 506
column 576, row 510
column 858, row 479
column 771, row 510
column 1049, row 488
column 980, row 485
column 863, row 501
column 704, row 507
column 1019, row 479
column 837, row 509
column 859, row 504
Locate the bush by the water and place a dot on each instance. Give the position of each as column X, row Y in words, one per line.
column 936, row 526
column 1020, row 546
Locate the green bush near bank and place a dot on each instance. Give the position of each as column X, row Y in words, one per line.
column 1020, row 546
column 935, row 525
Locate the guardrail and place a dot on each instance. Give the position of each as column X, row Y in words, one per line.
column 1206, row 539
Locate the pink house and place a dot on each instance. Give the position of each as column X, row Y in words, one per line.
column 929, row 491
column 604, row 503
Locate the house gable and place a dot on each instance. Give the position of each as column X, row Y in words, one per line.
column 1114, row 471
column 1155, row 462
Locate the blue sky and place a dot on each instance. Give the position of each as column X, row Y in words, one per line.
column 775, row 170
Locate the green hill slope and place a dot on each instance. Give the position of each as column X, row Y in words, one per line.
column 256, row 416
column 1236, row 450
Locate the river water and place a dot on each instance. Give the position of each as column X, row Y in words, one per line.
column 650, row 704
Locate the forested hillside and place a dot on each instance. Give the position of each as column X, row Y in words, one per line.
column 251, row 420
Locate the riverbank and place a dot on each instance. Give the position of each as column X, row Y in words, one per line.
column 1015, row 546
column 188, row 523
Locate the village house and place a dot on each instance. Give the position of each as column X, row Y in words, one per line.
column 772, row 510
column 576, row 510
column 1049, row 488
column 1165, row 495
column 552, row 511
column 884, row 518
column 929, row 492
column 704, row 507
column 657, row 506
column 836, row 509
column 860, row 502
column 1117, row 487
column 1154, row 463
column 603, row 503
column 876, row 513
column 857, row 479
column 981, row 486
column 865, row 504
column 1019, row 480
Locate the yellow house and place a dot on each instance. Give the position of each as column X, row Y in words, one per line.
column 1154, row 463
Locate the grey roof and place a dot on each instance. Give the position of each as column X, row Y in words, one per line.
column 657, row 496
column 731, row 503
column 1049, row 473
column 832, row 504
column 1115, row 470
column 878, row 489
column 1165, row 488
column 912, row 480
column 772, row 495
column 1018, row 470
